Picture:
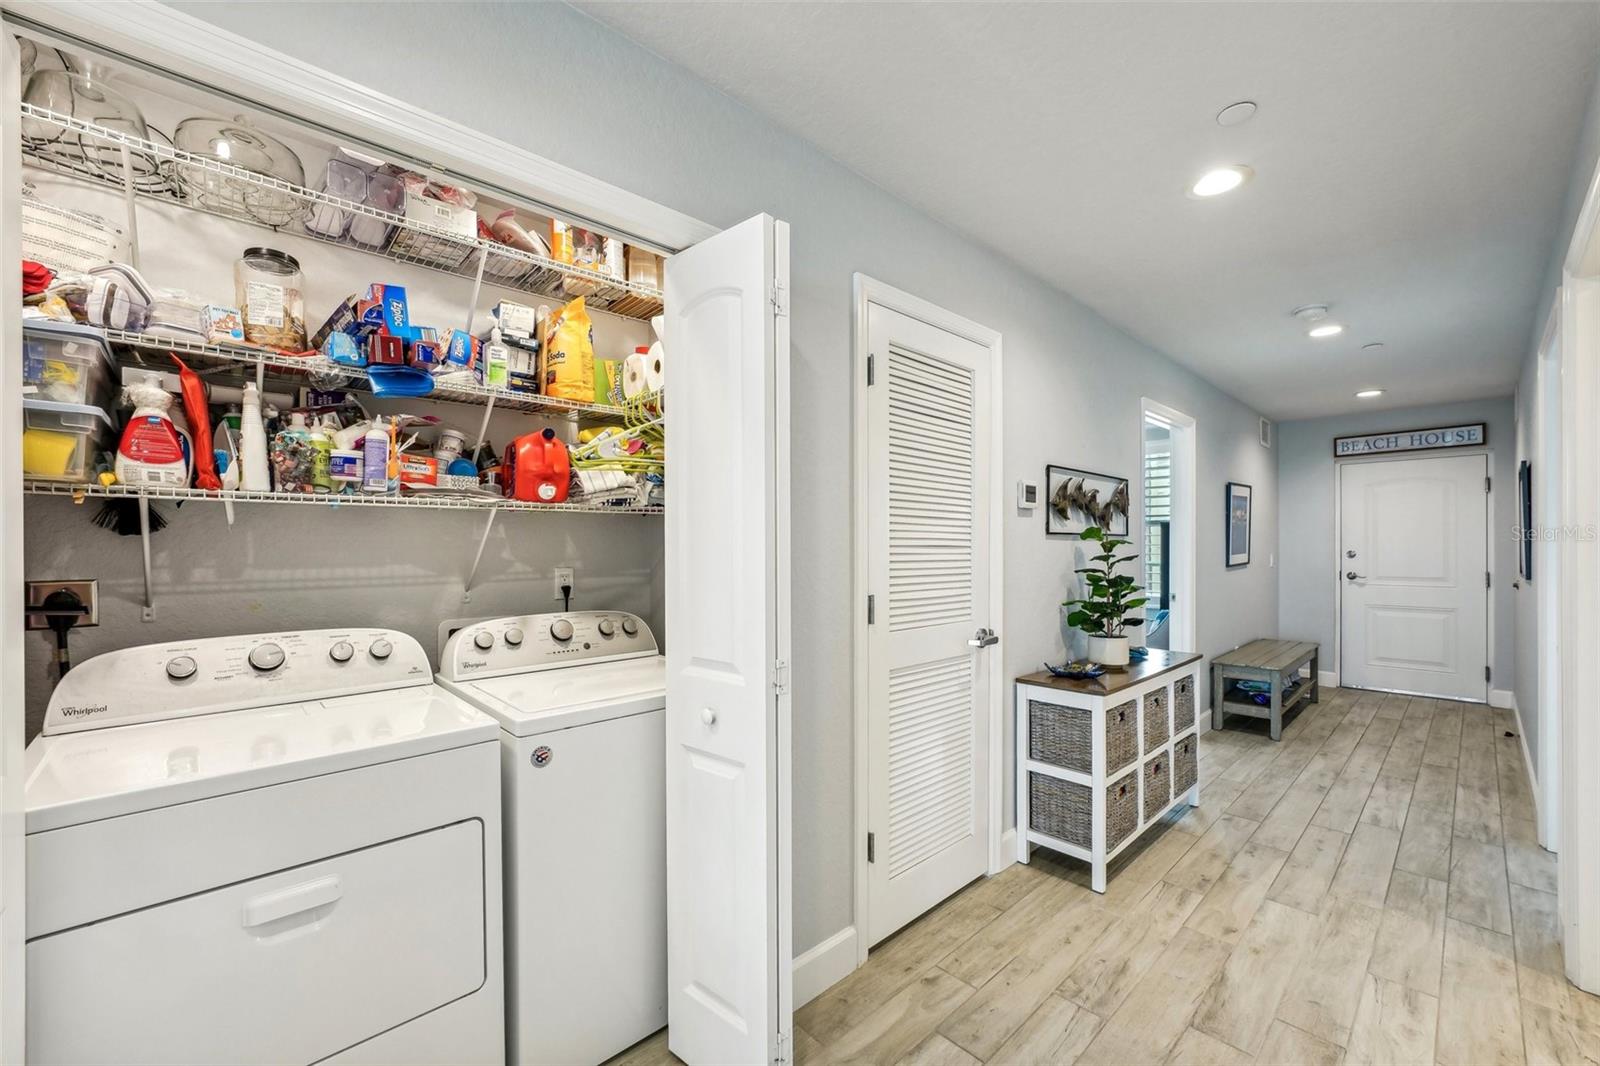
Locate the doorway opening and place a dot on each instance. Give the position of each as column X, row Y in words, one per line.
column 1167, row 537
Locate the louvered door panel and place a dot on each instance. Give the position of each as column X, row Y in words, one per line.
column 930, row 491
column 930, row 760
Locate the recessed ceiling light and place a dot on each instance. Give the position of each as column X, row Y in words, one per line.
column 1367, row 394
column 1219, row 180
column 1234, row 114
column 1325, row 329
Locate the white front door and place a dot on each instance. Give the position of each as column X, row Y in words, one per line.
column 729, row 958
column 931, row 499
column 1414, row 573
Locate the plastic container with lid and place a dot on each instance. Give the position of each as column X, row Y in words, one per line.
column 270, row 292
column 60, row 440
column 66, row 363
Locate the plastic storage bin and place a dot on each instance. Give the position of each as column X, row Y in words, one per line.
column 67, row 363
column 59, row 440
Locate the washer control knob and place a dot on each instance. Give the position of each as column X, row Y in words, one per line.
column 607, row 627
column 342, row 651
column 381, row 649
column 561, row 630
column 484, row 640
column 181, row 667
column 514, row 637
column 630, row 627
column 266, row 657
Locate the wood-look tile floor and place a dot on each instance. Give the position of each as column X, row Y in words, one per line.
column 1369, row 890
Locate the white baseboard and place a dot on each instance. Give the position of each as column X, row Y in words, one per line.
column 1503, row 698
column 824, row 966
column 1008, row 850
column 1328, row 678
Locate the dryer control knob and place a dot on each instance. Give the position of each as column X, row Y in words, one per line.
column 484, row 640
column 266, row 657
column 607, row 627
column 630, row 627
column 561, row 630
column 514, row 637
column 342, row 651
column 381, row 649
column 181, row 667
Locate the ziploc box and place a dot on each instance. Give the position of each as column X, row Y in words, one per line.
column 381, row 309
column 460, row 351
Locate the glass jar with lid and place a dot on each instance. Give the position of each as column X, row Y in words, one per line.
column 268, row 285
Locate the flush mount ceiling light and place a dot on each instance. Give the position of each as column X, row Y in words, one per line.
column 1219, row 180
column 1315, row 316
column 1235, row 114
column 1367, row 394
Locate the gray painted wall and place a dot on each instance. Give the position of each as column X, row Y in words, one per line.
column 1307, row 538
column 1072, row 386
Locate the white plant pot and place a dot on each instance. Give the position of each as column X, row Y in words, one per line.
column 1108, row 651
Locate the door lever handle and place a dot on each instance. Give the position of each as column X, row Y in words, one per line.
column 1351, row 575
column 983, row 639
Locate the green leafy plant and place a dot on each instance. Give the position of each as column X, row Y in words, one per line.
column 1103, row 612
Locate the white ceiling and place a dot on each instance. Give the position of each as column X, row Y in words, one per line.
column 1410, row 158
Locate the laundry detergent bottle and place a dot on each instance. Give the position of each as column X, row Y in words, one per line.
column 537, row 468
column 151, row 453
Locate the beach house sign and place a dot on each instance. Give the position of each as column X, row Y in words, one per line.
column 1471, row 435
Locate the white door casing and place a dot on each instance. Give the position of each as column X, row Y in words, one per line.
column 12, row 881
column 1413, row 595
column 930, row 497
column 729, row 879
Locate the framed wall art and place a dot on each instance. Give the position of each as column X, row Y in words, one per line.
column 1078, row 499
column 1238, row 535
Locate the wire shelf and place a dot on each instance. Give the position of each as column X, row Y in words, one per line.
column 427, row 501
column 171, row 175
column 321, row 372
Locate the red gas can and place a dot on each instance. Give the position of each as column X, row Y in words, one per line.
column 537, row 468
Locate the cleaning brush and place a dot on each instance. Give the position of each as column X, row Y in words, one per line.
column 121, row 516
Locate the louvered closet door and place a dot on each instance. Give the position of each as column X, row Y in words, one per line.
column 930, row 501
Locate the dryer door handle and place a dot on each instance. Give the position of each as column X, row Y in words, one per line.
column 286, row 902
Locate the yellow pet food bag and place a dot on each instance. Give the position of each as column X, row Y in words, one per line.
column 566, row 361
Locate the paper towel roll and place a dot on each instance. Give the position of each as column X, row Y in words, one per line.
column 654, row 369
column 633, row 375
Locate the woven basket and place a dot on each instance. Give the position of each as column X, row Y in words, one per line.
column 1061, row 736
column 1157, row 784
column 1185, row 765
column 1157, row 730
column 1062, row 809
column 1122, row 736
column 1182, row 703
column 1122, row 810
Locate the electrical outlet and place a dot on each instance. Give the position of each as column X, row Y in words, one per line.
column 563, row 577
column 88, row 592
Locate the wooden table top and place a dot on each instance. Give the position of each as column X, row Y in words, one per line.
column 1267, row 654
column 1156, row 663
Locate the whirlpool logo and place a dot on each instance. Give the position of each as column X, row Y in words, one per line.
column 84, row 712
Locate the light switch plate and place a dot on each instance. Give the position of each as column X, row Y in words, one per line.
column 88, row 592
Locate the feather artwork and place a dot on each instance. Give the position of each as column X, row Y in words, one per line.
column 1116, row 505
column 1078, row 498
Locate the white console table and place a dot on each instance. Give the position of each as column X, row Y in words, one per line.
column 1100, row 761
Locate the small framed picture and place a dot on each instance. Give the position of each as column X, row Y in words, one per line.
column 1078, row 499
column 1238, row 539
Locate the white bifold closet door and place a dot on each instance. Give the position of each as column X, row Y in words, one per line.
column 729, row 956
column 930, row 505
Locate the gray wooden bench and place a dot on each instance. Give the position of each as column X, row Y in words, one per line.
column 1276, row 662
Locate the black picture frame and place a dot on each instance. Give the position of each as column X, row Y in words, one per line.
column 1525, row 513
column 1103, row 485
column 1236, row 526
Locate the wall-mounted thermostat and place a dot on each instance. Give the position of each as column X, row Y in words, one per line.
column 1027, row 495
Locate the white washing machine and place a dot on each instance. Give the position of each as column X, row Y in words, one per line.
column 281, row 848
column 580, row 698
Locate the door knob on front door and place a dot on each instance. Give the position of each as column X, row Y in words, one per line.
column 1351, row 575
column 708, row 716
column 983, row 639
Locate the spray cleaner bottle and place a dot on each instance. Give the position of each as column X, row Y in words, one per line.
column 151, row 452
column 254, row 474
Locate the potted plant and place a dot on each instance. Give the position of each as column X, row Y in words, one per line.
column 1103, row 612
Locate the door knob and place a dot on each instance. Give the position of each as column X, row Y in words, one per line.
column 983, row 639
column 1350, row 553
column 708, row 716
column 1351, row 575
